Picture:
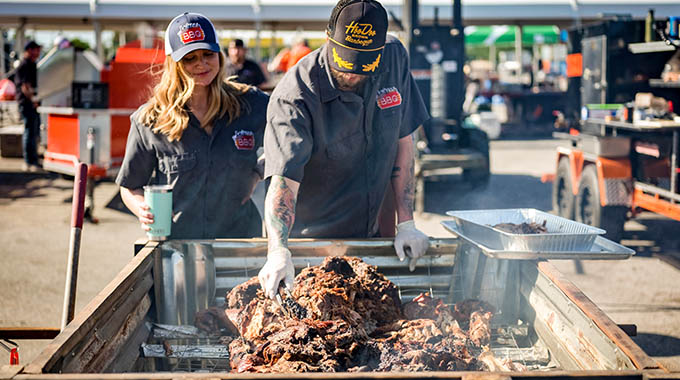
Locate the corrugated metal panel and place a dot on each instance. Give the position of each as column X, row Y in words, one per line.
column 187, row 267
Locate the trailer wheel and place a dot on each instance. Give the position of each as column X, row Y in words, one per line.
column 589, row 210
column 562, row 195
column 478, row 140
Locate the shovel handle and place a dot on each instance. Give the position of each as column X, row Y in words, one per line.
column 79, row 186
column 74, row 245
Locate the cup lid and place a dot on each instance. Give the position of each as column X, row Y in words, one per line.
column 158, row 188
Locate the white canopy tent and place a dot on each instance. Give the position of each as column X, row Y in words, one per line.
column 290, row 14
column 308, row 15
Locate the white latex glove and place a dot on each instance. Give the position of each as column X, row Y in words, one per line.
column 410, row 242
column 279, row 266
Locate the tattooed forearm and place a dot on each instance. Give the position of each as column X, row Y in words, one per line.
column 279, row 210
column 409, row 192
column 403, row 179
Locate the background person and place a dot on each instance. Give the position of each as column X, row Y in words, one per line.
column 279, row 64
column 26, row 80
column 199, row 134
column 339, row 132
column 288, row 57
column 297, row 52
column 246, row 70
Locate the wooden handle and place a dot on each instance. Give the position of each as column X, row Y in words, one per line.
column 79, row 196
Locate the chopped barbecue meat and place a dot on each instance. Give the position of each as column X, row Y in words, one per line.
column 241, row 357
column 214, row 320
column 424, row 306
column 310, row 344
column 464, row 309
column 492, row 363
column 242, row 294
column 260, row 315
column 445, row 355
column 167, row 348
column 417, row 330
column 523, row 228
column 480, row 329
column 354, row 321
column 348, row 289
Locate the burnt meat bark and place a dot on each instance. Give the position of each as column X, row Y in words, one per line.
column 242, row 294
column 355, row 322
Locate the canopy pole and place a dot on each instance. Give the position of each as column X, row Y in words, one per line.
column 273, row 46
column 19, row 38
column 518, row 49
column 3, row 69
column 99, row 48
column 258, row 29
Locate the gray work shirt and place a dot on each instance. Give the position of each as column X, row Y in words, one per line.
column 339, row 145
column 209, row 173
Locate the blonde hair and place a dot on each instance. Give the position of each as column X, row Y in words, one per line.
column 166, row 112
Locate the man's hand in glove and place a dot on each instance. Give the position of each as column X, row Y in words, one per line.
column 410, row 242
column 279, row 266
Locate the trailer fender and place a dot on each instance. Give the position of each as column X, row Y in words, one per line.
column 576, row 160
column 614, row 177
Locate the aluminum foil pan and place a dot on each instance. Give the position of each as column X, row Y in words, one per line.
column 601, row 249
column 563, row 234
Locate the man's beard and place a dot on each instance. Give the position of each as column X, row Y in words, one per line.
column 345, row 84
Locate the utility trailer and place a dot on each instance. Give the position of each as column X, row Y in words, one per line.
column 542, row 321
column 617, row 165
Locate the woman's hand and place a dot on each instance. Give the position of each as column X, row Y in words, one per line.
column 144, row 215
column 134, row 200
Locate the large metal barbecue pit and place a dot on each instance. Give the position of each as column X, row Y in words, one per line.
column 542, row 321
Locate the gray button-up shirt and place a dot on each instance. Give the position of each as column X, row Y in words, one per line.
column 339, row 145
column 210, row 173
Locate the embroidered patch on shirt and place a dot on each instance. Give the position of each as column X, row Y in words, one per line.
column 244, row 140
column 388, row 97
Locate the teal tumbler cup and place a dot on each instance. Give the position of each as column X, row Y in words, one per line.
column 159, row 199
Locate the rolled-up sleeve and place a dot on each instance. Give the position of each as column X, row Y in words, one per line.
column 139, row 161
column 288, row 139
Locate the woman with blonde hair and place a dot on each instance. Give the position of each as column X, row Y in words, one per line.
column 200, row 134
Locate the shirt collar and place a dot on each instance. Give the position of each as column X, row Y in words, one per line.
column 327, row 88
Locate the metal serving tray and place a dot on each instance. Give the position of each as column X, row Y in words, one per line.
column 601, row 249
column 563, row 234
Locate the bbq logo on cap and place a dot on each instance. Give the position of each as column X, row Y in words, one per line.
column 356, row 42
column 188, row 32
column 191, row 32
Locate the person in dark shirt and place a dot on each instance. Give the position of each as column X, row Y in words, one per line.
column 200, row 134
column 340, row 133
column 247, row 71
column 27, row 83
